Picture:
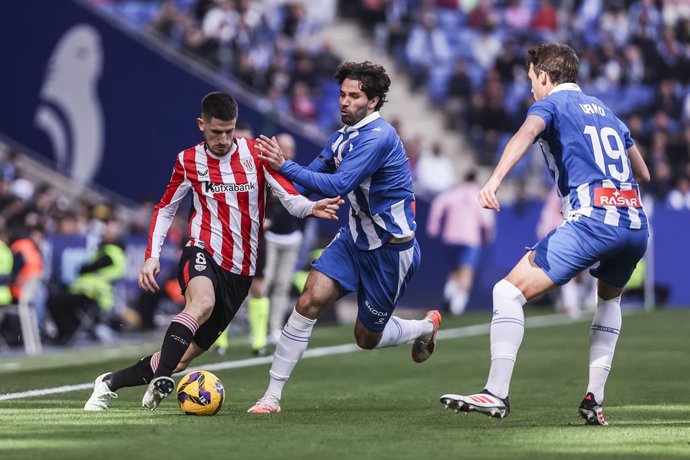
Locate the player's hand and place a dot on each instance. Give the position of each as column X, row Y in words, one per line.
column 270, row 152
column 147, row 274
column 326, row 208
column 487, row 195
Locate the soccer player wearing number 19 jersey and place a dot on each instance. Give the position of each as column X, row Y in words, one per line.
column 596, row 168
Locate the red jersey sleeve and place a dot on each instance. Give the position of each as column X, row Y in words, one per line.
column 164, row 211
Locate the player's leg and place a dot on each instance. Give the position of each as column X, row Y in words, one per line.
column 613, row 273
column 397, row 331
column 199, row 302
column 282, row 283
column 603, row 336
column 525, row 281
column 319, row 292
column 229, row 292
column 553, row 261
column 155, row 393
column 383, row 278
column 467, row 260
column 195, row 279
column 465, row 278
column 570, row 298
column 274, row 266
column 333, row 275
column 141, row 373
column 198, row 279
column 258, row 305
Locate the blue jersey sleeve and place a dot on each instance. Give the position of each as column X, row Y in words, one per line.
column 323, row 163
column 545, row 110
column 364, row 159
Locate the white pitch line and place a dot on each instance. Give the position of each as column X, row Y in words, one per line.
column 467, row 331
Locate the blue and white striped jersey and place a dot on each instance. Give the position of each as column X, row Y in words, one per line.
column 366, row 162
column 585, row 147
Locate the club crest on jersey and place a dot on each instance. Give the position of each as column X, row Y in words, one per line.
column 212, row 187
column 339, row 152
column 248, row 164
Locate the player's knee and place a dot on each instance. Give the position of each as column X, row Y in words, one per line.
column 201, row 307
column 365, row 339
column 366, row 342
column 308, row 304
column 505, row 290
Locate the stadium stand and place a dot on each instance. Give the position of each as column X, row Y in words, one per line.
column 635, row 57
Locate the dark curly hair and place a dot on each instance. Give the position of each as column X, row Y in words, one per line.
column 559, row 61
column 374, row 80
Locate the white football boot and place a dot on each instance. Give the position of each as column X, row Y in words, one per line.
column 158, row 388
column 101, row 394
column 266, row 405
column 483, row 402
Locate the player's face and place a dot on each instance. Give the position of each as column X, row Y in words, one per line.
column 354, row 103
column 218, row 134
column 539, row 87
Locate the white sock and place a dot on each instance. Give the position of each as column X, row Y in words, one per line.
column 399, row 331
column 450, row 289
column 458, row 302
column 507, row 329
column 289, row 350
column 603, row 336
column 570, row 294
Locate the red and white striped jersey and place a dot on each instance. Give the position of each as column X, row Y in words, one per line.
column 229, row 200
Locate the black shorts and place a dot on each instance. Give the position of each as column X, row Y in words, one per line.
column 230, row 291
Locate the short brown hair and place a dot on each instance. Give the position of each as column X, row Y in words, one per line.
column 219, row 105
column 558, row 60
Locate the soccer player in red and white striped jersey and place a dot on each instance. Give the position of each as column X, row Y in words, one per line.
column 229, row 186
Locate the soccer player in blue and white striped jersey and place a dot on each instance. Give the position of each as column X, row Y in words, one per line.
column 596, row 167
column 377, row 253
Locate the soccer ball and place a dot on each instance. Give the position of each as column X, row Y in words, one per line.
column 200, row 393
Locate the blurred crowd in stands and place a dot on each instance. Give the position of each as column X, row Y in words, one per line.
column 270, row 46
column 469, row 57
column 75, row 245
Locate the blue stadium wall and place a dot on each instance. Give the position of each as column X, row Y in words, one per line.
column 110, row 108
column 134, row 106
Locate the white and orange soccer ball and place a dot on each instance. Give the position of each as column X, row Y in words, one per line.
column 200, row 393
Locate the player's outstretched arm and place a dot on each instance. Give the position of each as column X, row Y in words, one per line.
column 326, row 208
column 147, row 274
column 639, row 168
column 513, row 152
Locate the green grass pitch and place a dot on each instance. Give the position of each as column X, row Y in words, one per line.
column 374, row 405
